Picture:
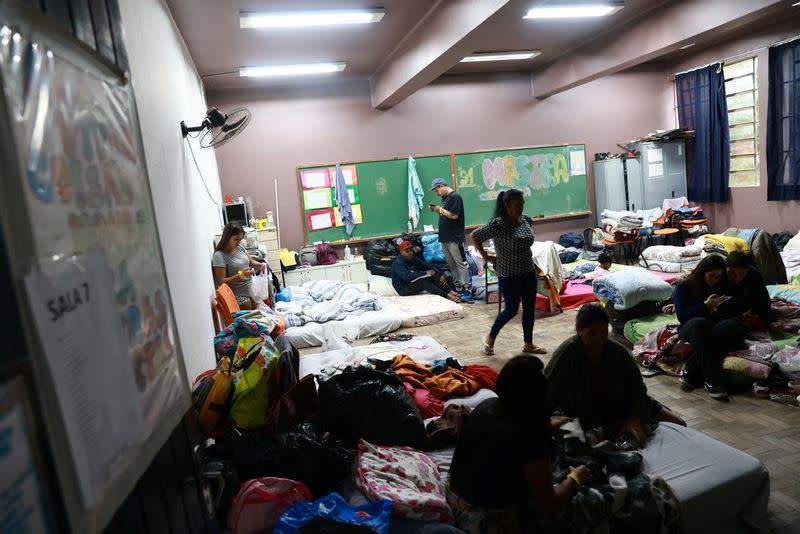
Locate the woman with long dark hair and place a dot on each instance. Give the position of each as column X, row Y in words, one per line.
column 700, row 304
column 596, row 380
column 512, row 232
column 501, row 477
column 232, row 265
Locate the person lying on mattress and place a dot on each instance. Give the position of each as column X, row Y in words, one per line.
column 501, row 464
column 597, row 381
column 412, row 276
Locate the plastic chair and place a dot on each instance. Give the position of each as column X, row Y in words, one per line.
column 226, row 303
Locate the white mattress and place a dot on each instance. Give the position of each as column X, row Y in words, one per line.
column 368, row 324
column 423, row 310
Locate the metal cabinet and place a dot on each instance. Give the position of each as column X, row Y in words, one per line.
column 663, row 169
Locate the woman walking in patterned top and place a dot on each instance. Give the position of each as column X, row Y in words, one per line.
column 513, row 237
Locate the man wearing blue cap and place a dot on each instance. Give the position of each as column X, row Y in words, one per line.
column 451, row 233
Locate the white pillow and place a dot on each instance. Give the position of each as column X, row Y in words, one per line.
column 381, row 285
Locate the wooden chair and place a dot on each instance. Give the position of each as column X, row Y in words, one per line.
column 226, row 304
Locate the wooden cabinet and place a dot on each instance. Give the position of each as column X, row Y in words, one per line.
column 342, row 271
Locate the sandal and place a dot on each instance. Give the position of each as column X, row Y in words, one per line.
column 533, row 349
column 487, row 349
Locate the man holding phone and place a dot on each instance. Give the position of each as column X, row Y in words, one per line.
column 451, row 234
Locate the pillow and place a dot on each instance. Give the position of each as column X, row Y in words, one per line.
column 381, row 285
column 407, row 477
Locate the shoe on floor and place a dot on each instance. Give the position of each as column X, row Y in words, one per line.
column 716, row 391
column 686, row 383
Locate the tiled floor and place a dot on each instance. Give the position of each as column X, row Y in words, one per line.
column 765, row 429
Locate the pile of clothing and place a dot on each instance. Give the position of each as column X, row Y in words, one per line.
column 723, row 245
column 685, row 214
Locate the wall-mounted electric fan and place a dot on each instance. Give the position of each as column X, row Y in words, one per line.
column 218, row 128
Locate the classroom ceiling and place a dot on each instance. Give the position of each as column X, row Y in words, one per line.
column 419, row 40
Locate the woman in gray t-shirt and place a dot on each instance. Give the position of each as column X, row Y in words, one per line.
column 233, row 266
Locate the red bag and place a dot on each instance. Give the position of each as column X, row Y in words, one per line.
column 261, row 501
column 326, row 255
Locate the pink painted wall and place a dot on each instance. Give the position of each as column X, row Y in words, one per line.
column 294, row 126
column 748, row 206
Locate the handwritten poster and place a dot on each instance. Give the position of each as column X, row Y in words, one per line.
column 314, row 199
column 356, row 214
column 315, row 179
column 577, row 163
column 320, row 220
column 348, row 172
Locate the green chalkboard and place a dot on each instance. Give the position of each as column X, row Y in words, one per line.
column 382, row 193
column 553, row 179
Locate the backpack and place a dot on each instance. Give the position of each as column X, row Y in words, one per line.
column 261, row 501
column 308, row 255
column 326, row 255
column 212, row 396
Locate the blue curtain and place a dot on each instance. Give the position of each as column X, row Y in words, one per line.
column 702, row 108
column 783, row 122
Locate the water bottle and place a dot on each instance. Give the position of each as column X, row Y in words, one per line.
column 347, row 255
column 270, row 220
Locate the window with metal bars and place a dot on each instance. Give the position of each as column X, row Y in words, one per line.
column 741, row 92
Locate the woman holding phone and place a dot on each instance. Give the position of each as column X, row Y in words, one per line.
column 700, row 304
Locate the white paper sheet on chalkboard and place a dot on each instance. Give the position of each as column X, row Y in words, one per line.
column 577, row 163
column 86, row 350
column 21, row 507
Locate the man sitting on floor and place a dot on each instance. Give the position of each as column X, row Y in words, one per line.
column 412, row 276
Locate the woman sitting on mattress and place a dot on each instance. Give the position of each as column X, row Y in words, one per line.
column 597, row 381
column 707, row 324
column 501, row 464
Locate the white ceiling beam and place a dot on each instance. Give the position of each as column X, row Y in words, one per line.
column 432, row 48
column 657, row 33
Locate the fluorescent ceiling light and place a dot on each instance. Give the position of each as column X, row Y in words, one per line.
column 684, row 47
column 501, row 56
column 299, row 19
column 292, row 70
column 557, row 11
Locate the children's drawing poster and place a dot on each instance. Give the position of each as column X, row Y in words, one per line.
column 315, row 179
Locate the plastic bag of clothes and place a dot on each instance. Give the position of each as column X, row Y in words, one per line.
column 370, row 404
column 432, row 250
column 379, row 257
column 302, row 453
column 375, row 516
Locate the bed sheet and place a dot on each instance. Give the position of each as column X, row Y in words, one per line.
column 423, row 310
column 368, row 324
column 785, row 291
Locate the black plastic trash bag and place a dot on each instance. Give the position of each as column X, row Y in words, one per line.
column 379, row 257
column 370, row 404
column 302, row 453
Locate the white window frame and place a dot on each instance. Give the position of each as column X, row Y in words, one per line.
column 754, row 106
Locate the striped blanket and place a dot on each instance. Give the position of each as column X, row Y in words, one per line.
column 320, row 301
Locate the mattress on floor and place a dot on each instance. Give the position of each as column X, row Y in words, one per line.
column 785, row 291
column 721, row 489
column 423, row 310
column 367, row 324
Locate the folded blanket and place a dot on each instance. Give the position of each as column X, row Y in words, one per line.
column 728, row 243
column 664, row 266
column 672, row 254
column 630, row 287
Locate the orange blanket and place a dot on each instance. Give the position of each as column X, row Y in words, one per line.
column 451, row 383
